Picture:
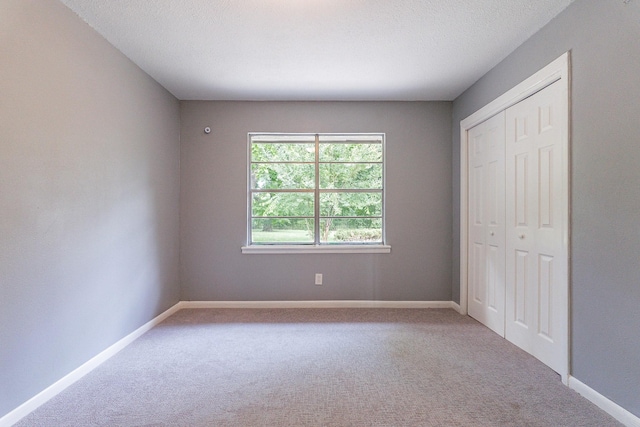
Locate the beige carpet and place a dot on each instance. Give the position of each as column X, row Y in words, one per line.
column 320, row 367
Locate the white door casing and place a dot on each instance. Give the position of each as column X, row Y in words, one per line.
column 487, row 223
column 546, row 279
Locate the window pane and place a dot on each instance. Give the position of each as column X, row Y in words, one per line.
column 365, row 230
column 350, row 204
column 353, row 137
column 282, row 230
column 350, row 152
column 350, row 176
column 283, row 152
column 282, row 204
column 282, row 176
column 294, row 192
column 283, row 137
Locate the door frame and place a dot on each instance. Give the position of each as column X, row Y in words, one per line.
column 558, row 70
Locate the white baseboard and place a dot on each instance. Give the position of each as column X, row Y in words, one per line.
column 39, row 399
column 456, row 307
column 317, row 304
column 610, row 407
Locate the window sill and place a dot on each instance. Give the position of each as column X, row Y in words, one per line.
column 311, row 249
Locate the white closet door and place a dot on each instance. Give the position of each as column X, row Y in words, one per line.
column 486, row 285
column 537, row 221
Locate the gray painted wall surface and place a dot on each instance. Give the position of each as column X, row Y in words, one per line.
column 603, row 37
column 89, row 178
column 213, row 204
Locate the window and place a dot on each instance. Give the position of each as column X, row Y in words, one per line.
column 316, row 189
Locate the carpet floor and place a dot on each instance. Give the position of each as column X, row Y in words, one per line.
column 319, row 367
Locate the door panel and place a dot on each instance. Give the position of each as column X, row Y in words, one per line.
column 494, row 278
column 545, row 286
column 478, row 275
column 535, row 192
column 519, row 302
column 486, row 285
column 521, row 195
column 545, row 188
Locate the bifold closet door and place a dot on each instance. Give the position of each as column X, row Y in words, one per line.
column 486, row 284
column 536, row 218
column 517, row 283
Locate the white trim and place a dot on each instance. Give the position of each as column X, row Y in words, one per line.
column 318, row 304
column 315, row 249
column 45, row 395
column 555, row 71
column 366, row 137
column 610, row 407
column 455, row 306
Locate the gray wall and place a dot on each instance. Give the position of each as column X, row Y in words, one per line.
column 213, row 204
column 89, row 179
column 603, row 37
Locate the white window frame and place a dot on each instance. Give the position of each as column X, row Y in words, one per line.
column 317, row 247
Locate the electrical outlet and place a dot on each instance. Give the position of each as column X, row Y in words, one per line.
column 318, row 278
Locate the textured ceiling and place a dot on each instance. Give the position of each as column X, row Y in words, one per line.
column 316, row 49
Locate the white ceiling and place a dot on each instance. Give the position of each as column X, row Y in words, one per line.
column 316, row 49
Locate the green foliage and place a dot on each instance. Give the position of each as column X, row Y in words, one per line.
column 284, row 151
column 354, row 152
column 350, row 204
column 272, row 204
column 351, row 229
column 358, row 235
column 282, row 176
column 282, row 230
column 281, row 236
column 353, row 176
